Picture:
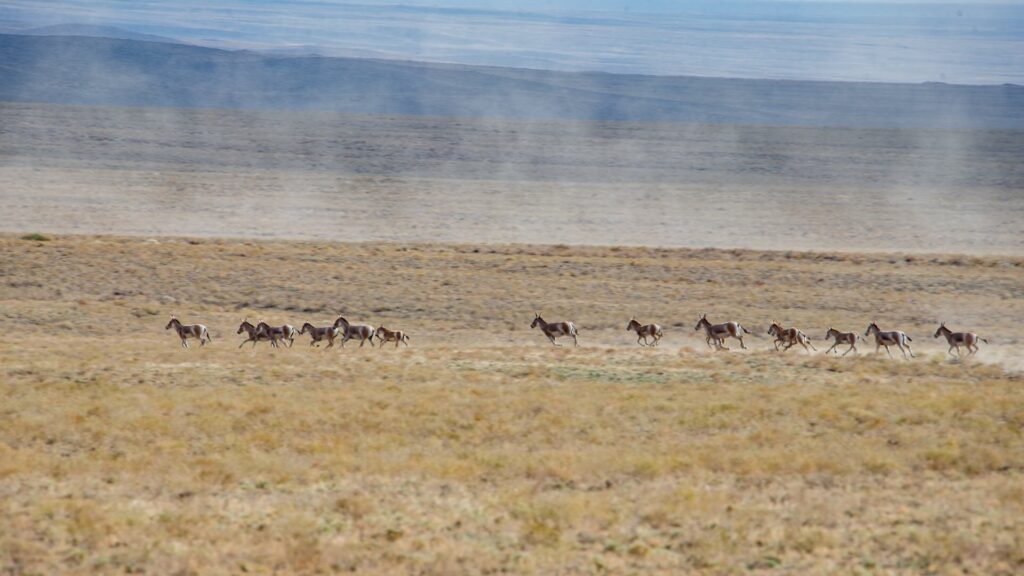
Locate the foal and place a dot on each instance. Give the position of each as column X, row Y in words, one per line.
column 719, row 332
column 893, row 338
column 555, row 329
column 318, row 335
column 396, row 336
column 968, row 340
column 790, row 337
column 645, row 331
column 842, row 338
column 362, row 332
column 189, row 331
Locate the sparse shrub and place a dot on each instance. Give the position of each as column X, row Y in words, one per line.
column 35, row 236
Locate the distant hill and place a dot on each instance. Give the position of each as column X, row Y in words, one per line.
column 94, row 31
column 126, row 72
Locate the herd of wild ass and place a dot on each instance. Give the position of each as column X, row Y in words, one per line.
column 646, row 335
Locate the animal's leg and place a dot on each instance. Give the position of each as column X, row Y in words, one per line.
column 742, row 345
column 832, row 348
column 911, row 350
column 887, row 351
column 853, row 347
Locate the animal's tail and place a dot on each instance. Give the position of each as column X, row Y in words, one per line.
column 210, row 338
column 909, row 339
column 982, row 339
column 744, row 328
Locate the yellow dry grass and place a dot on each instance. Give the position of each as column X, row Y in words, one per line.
column 481, row 449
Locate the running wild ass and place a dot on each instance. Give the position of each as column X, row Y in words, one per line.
column 790, row 337
column 252, row 333
column 320, row 334
column 360, row 332
column 719, row 332
column 645, row 331
column 968, row 340
column 842, row 338
column 893, row 338
column 555, row 329
column 396, row 336
column 189, row 331
column 283, row 332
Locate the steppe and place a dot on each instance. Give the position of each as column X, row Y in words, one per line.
column 482, row 449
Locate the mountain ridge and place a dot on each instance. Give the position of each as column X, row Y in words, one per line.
column 130, row 72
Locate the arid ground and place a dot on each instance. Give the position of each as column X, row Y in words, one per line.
column 481, row 448
column 209, row 173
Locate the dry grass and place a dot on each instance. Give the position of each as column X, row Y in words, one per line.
column 481, row 449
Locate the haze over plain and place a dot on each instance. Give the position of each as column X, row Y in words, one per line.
column 593, row 158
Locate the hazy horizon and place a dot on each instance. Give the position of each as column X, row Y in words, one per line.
column 958, row 43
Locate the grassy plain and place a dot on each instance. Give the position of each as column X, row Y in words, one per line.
column 482, row 449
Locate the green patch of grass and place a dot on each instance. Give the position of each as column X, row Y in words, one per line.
column 36, row 237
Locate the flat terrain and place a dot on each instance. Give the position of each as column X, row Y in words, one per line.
column 357, row 178
column 482, row 449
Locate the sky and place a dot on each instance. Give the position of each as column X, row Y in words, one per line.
column 964, row 42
